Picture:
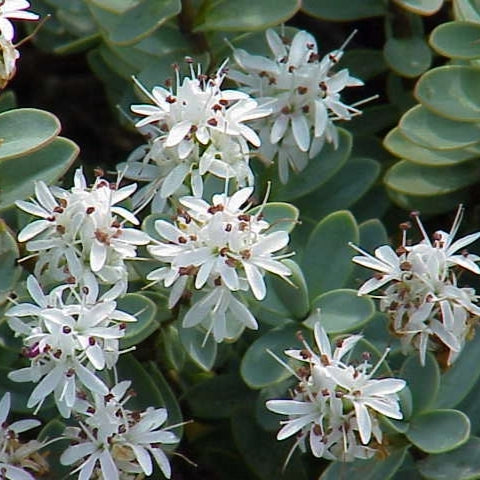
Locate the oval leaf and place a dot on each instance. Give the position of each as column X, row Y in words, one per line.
column 343, row 10
column 457, row 40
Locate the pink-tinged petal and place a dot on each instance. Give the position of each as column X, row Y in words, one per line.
column 6, row 29
column 255, row 280
column 178, row 133
column 33, row 229
column 301, row 131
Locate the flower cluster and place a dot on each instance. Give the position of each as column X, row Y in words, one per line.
column 10, row 9
column 113, row 442
column 335, row 404
column 304, row 96
column 18, row 460
column 427, row 308
column 82, row 230
column 194, row 129
column 68, row 335
column 221, row 248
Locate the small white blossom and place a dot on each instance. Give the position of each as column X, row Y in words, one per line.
column 81, row 230
column 303, row 93
column 197, row 128
column 13, row 9
column 220, row 247
column 18, row 460
column 67, row 335
column 336, row 406
column 8, row 58
column 428, row 310
column 113, row 441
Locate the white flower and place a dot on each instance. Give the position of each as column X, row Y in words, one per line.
column 67, row 336
column 13, row 9
column 428, row 310
column 217, row 247
column 196, row 129
column 81, row 230
column 8, row 59
column 336, row 405
column 19, row 461
column 303, row 93
column 113, row 440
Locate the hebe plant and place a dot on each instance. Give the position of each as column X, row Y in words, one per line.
column 221, row 298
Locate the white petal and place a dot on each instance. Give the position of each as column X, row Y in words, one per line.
column 301, row 132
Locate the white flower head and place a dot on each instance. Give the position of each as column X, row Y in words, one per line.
column 113, row 441
column 427, row 309
column 336, row 406
column 19, row 460
column 219, row 246
column 13, row 9
column 194, row 128
column 8, row 59
column 304, row 94
column 81, row 230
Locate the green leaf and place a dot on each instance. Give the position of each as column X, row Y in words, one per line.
column 217, row 397
column 202, row 351
column 9, row 270
column 144, row 311
column 294, row 297
column 439, row 431
column 8, row 101
column 398, row 144
column 343, row 10
column 421, row 7
column 431, row 131
column 326, row 262
column 463, row 463
column 452, row 91
column 423, row 381
column 262, row 452
column 318, row 170
column 342, row 190
column 425, row 181
column 343, row 311
column 17, row 175
column 55, row 429
column 259, row 369
column 78, row 45
column 364, row 63
column 280, row 216
column 467, row 10
column 174, row 353
column 143, row 19
column 457, row 40
column 461, row 377
column 373, row 469
column 25, row 130
column 409, row 56
column 238, row 15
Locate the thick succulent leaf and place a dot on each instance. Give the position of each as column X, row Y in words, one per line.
column 203, row 351
column 25, row 130
column 10, row 271
column 55, row 429
column 409, row 56
column 463, row 463
column 373, row 469
column 423, row 381
column 398, row 144
column 452, row 91
column 343, row 311
column 439, row 431
column 318, row 171
column 421, row 7
column 343, row 10
column 457, row 40
column 17, row 175
column 144, row 310
column 364, row 63
column 467, row 10
column 326, row 261
column 280, row 215
column 429, row 130
column 241, row 15
column 143, row 19
column 461, row 377
column 259, row 368
column 294, row 293
column 346, row 187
